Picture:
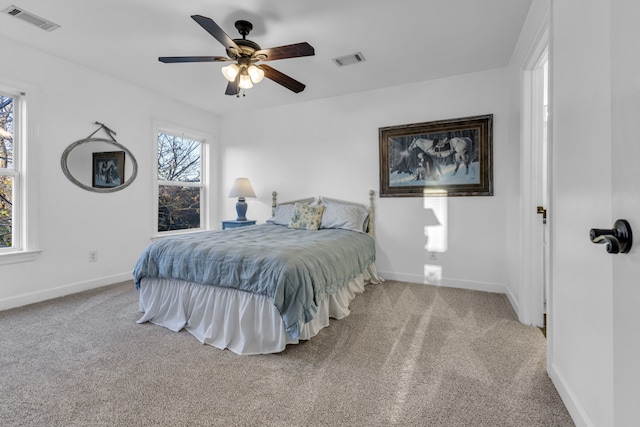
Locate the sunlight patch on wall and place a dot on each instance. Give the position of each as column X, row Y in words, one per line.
column 437, row 235
column 432, row 274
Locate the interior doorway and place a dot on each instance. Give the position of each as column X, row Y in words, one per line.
column 542, row 142
column 535, row 173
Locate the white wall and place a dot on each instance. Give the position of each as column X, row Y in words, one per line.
column 72, row 221
column 330, row 147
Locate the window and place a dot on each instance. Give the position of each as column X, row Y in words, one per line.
column 181, row 204
column 18, row 197
column 9, row 174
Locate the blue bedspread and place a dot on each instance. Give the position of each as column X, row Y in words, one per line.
column 296, row 269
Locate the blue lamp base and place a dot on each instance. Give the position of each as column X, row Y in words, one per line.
column 241, row 209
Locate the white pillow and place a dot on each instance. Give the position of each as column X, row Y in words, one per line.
column 346, row 217
column 282, row 215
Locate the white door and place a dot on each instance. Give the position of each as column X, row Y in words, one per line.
column 595, row 304
column 625, row 139
column 580, row 328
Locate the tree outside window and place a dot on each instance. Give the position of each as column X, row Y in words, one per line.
column 7, row 171
column 179, row 183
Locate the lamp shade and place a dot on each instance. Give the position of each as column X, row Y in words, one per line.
column 230, row 72
column 256, row 74
column 245, row 81
column 242, row 188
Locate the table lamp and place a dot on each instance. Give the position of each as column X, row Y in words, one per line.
column 241, row 188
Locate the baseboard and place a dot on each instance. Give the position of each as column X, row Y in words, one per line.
column 446, row 282
column 47, row 294
column 577, row 412
column 38, row 296
column 514, row 303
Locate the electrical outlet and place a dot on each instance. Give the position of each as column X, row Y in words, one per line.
column 433, row 256
column 93, row 256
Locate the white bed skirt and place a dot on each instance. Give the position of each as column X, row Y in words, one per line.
column 244, row 323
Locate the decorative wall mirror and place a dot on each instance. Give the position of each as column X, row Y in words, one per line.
column 98, row 164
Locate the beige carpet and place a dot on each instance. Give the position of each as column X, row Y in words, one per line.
column 408, row 355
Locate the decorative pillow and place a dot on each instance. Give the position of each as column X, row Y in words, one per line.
column 346, row 217
column 282, row 215
column 306, row 217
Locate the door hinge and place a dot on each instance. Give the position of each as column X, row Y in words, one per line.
column 543, row 211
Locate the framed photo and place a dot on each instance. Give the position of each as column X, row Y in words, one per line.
column 441, row 158
column 108, row 169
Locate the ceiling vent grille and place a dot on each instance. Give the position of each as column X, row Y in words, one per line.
column 30, row 18
column 353, row 58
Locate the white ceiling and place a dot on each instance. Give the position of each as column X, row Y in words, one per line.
column 403, row 41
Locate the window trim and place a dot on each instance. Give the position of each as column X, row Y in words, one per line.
column 204, row 185
column 25, row 201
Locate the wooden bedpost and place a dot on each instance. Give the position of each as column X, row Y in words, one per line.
column 273, row 203
column 371, row 231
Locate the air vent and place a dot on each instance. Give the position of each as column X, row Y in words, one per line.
column 30, row 18
column 354, row 58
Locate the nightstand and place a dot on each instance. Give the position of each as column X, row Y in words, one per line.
column 232, row 223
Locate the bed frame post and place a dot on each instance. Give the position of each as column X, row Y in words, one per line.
column 274, row 203
column 371, row 219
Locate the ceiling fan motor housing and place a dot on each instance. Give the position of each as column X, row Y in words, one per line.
column 247, row 47
column 244, row 27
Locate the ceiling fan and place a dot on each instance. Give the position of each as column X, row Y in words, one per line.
column 245, row 70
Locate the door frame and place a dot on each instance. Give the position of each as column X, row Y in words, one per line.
column 532, row 262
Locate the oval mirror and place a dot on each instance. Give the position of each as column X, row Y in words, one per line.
column 92, row 164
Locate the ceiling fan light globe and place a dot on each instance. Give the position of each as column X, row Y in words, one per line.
column 256, row 74
column 230, row 72
column 245, row 82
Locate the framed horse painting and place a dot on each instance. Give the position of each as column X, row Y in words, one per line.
column 108, row 169
column 442, row 158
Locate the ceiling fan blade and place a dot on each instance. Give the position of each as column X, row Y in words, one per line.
column 282, row 79
column 217, row 32
column 232, row 87
column 288, row 51
column 175, row 59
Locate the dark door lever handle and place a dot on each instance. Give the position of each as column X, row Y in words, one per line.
column 617, row 240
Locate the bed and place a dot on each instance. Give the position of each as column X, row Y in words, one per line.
column 257, row 289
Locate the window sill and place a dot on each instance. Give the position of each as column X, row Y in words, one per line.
column 158, row 236
column 18, row 257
